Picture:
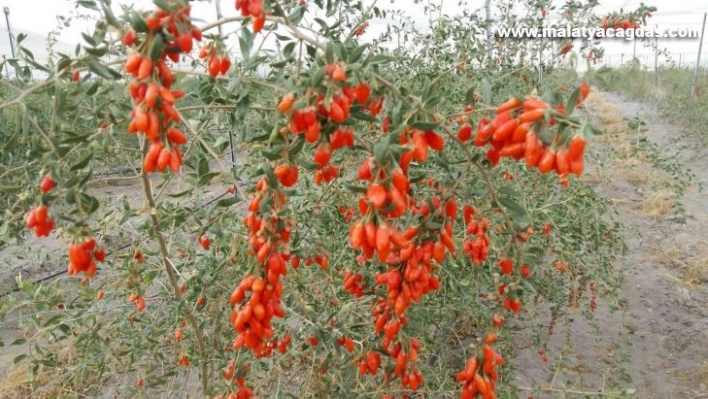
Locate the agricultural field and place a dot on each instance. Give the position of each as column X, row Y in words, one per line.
column 344, row 217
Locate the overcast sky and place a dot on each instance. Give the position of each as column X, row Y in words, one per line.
column 39, row 17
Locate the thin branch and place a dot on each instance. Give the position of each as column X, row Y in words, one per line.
column 437, row 78
column 225, row 107
column 221, row 21
column 171, row 276
column 226, row 78
column 361, row 23
column 45, row 136
column 204, row 143
column 19, row 99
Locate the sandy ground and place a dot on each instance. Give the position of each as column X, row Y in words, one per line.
column 664, row 332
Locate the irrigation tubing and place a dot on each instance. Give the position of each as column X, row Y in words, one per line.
column 122, row 247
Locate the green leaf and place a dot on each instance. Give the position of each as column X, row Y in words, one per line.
column 110, row 17
column 363, row 117
column 74, row 138
column 63, row 63
column 82, row 162
column 138, row 22
column 296, row 147
column 101, row 70
column 528, row 287
column 226, row 202
column 19, row 358
column 279, row 65
column 318, row 77
column 470, row 96
column 162, row 4
column 19, row 341
column 156, row 47
column 593, row 130
column 96, row 51
column 53, row 320
column 433, row 225
column 570, row 105
column 27, row 53
column 86, row 177
column 381, row 149
column 32, row 62
column 88, row 203
column 93, row 88
column 311, row 51
column 355, row 189
column 180, row 194
column 70, row 196
column 20, row 38
column 422, row 125
column 380, row 59
column 10, row 189
column 288, row 49
column 296, row 16
column 208, row 177
column 513, row 206
column 245, row 42
column 355, row 55
column 324, row 28
column 487, row 92
column 273, row 153
column 329, row 53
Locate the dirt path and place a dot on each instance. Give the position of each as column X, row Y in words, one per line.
column 667, row 265
column 664, row 333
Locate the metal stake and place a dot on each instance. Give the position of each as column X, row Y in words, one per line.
column 6, row 10
column 656, row 58
column 698, row 61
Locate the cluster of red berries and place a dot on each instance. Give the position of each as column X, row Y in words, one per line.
column 346, row 343
column 252, row 319
column 480, row 375
column 619, row 23
column 38, row 218
column 217, row 64
column 244, row 391
column 406, row 283
column 140, row 306
column 310, row 120
column 476, row 248
column 346, row 212
column 154, row 113
column 411, row 377
column 361, row 28
column 257, row 299
column 513, row 133
column 268, row 236
column 83, row 257
column 287, row 174
column 369, row 364
column 254, row 9
column 354, row 284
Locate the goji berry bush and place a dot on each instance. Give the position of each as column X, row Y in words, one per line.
column 385, row 199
